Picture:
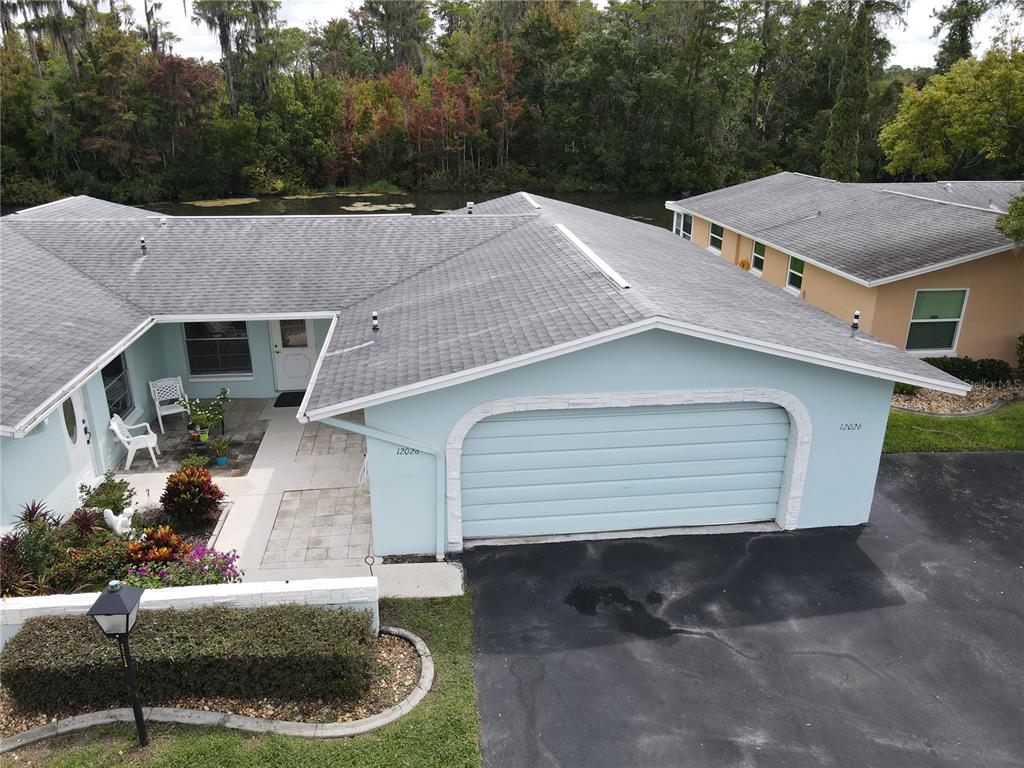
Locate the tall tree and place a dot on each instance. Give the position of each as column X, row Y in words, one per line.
column 222, row 17
column 958, row 20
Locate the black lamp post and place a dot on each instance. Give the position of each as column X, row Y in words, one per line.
column 115, row 610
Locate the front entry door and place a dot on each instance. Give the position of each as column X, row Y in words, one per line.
column 294, row 353
column 79, row 439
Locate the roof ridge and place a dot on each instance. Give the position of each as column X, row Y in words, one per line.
column 99, row 283
column 423, row 270
column 941, row 202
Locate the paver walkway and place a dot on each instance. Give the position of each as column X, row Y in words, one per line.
column 330, row 526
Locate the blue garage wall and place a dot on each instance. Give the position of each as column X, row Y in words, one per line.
column 840, row 475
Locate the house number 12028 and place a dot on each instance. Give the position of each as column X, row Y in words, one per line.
column 849, row 427
column 408, row 451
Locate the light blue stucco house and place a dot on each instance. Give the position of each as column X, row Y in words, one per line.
column 525, row 367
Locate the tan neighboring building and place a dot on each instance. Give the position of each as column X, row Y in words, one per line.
column 922, row 262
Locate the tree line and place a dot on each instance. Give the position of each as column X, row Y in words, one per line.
column 641, row 96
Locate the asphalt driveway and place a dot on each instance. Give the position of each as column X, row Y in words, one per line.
column 896, row 645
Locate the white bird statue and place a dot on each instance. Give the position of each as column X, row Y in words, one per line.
column 119, row 524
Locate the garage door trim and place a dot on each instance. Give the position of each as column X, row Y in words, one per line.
column 797, row 455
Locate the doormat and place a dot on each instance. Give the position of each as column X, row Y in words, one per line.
column 289, row 399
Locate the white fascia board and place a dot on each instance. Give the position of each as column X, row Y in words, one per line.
column 759, row 238
column 866, row 283
column 301, row 415
column 29, row 423
column 659, row 323
column 52, row 202
column 229, row 316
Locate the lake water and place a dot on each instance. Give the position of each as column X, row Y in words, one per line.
column 641, row 208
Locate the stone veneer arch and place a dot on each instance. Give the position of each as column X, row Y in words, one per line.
column 794, row 474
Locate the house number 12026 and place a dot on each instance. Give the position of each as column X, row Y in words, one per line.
column 408, row 451
column 849, row 427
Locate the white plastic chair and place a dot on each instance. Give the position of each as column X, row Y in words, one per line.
column 167, row 389
column 134, row 442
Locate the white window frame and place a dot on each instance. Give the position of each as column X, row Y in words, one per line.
column 753, row 255
column 711, row 234
column 686, row 234
column 951, row 352
column 218, row 376
column 790, row 271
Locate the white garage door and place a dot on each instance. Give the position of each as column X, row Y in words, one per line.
column 615, row 469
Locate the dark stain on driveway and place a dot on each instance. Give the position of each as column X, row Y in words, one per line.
column 896, row 644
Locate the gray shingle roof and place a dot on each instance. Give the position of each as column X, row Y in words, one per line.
column 81, row 208
column 454, row 292
column 861, row 230
column 982, row 194
column 54, row 323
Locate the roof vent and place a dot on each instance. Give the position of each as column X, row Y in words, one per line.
column 142, row 244
column 948, row 187
column 855, row 325
column 469, row 207
column 375, row 324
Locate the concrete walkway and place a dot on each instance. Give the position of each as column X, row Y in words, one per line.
column 258, row 500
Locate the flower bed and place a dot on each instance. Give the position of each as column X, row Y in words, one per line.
column 979, row 398
column 45, row 555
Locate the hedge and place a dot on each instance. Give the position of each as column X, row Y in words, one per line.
column 984, row 371
column 290, row 652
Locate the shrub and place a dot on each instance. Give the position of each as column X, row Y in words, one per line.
column 195, row 460
column 905, row 389
column 36, row 512
column 191, row 493
column 15, row 576
column 115, row 495
column 294, row 652
column 157, row 545
column 202, row 565
column 84, row 523
column 92, row 566
column 984, row 371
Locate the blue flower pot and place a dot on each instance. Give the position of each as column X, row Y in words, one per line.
column 222, row 461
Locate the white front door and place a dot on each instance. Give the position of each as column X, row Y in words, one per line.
column 294, row 353
column 78, row 438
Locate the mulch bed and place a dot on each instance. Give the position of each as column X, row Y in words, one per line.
column 398, row 671
column 979, row 398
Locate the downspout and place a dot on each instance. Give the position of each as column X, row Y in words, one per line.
column 405, row 442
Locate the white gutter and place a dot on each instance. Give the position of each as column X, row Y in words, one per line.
column 301, row 415
column 659, row 323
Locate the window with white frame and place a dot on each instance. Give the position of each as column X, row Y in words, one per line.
column 757, row 258
column 795, row 274
column 935, row 320
column 715, row 239
column 218, row 349
column 117, row 387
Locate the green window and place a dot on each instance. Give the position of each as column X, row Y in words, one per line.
column 795, row 278
column 715, row 241
column 757, row 259
column 936, row 319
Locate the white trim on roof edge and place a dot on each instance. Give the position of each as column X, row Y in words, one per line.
column 211, row 318
column 794, row 475
column 674, row 206
column 35, row 416
column 654, row 323
column 598, row 262
column 316, row 366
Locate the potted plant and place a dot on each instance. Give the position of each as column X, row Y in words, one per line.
column 219, row 446
column 203, row 416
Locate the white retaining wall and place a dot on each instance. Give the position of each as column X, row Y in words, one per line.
column 354, row 594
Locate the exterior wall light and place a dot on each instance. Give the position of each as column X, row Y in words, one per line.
column 115, row 610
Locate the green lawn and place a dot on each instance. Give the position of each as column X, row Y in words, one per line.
column 1000, row 430
column 443, row 731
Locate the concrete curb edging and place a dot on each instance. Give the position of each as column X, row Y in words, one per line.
column 241, row 722
column 963, row 414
